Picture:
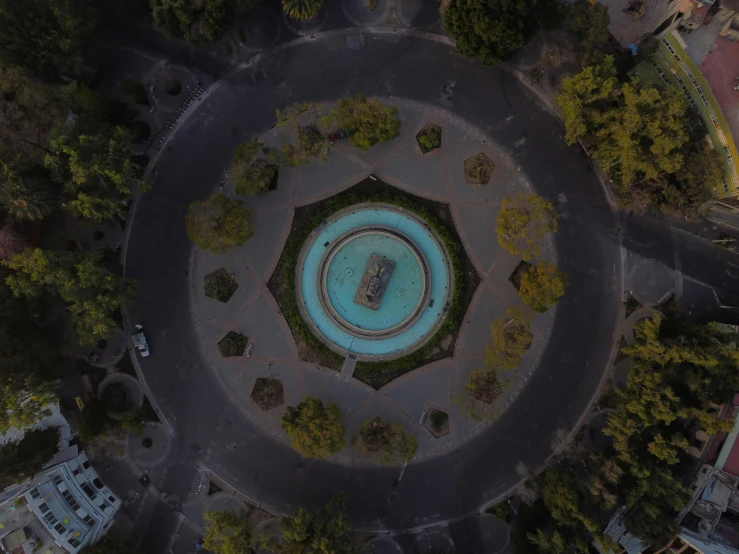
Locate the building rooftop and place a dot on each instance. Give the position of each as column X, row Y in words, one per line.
column 627, row 26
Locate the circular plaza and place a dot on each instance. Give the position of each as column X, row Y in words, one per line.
column 209, row 397
column 373, row 282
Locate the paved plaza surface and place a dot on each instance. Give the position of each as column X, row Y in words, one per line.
column 480, row 109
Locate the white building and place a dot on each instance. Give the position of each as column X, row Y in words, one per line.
column 60, row 510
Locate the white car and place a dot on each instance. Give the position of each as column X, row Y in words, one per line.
column 139, row 341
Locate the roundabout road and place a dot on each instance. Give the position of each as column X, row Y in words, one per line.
column 213, row 430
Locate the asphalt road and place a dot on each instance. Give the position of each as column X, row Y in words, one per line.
column 204, row 419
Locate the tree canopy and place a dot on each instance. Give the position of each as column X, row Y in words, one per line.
column 227, row 532
column 96, row 171
column 314, row 429
column 522, row 223
column 384, row 441
column 252, row 173
column 91, row 291
column 589, row 22
column 28, row 113
column 47, row 37
column 218, row 223
column 25, row 195
column 491, row 30
column 542, row 285
column 302, row 9
column 196, row 21
column 324, row 530
column 22, row 459
column 511, row 337
column 639, row 136
column 109, row 544
column 368, row 121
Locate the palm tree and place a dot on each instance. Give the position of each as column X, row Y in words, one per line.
column 301, row 9
column 25, row 197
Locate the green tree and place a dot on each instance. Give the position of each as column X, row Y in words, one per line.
column 584, row 96
column 198, row 21
column 511, row 336
column 302, row 9
column 522, row 223
column 542, row 285
column 250, row 173
column 94, row 110
column 302, row 121
column 91, row 291
column 314, row 429
column 96, row 171
column 48, row 37
column 227, row 532
column 28, row 113
column 24, row 458
column 25, row 196
column 109, row 544
column 589, row 21
column 24, row 400
column 368, row 121
column 384, row 442
column 491, row 30
column 639, row 136
column 218, row 223
column 324, row 530
column 644, row 137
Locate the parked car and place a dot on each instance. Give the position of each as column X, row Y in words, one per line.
column 139, row 341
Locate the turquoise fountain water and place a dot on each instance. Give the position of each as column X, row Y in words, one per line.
column 406, row 288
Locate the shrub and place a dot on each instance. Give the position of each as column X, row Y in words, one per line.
column 302, row 9
column 134, row 421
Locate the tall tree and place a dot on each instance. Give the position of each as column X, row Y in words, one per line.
column 251, row 172
column 218, row 223
column 368, row 121
column 314, row 429
column 302, row 9
column 48, row 37
column 197, row 21
column 91, row 291
column 542, row 285
column 491, row 30
column 522, row 223
column 96, row 171
column 24, row 400
column 22, row 459
column 28, row 112
column 511, row 336
column 109, row 544
column 227, row 532
column 324, row 530
column 589, row 21
column 24, row 195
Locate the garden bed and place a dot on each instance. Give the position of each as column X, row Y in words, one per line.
column 233, row 344
column 116, row 398
column 517, row 274
column 268, row 393
column 438, row 217
column 478, row 169
column 437, row 422
column 220, row 285
column 429, row 138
